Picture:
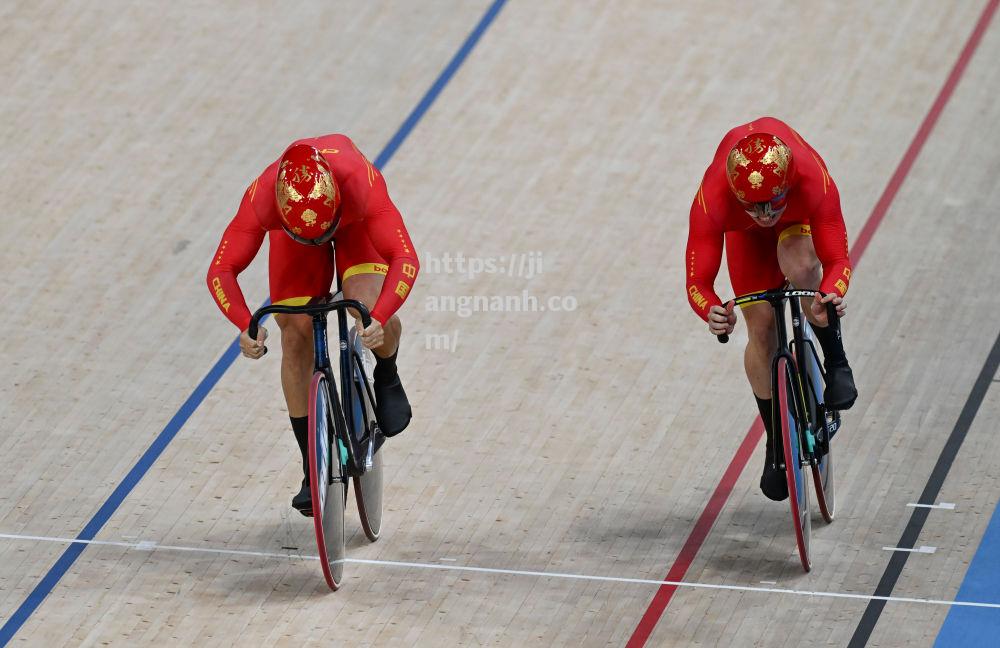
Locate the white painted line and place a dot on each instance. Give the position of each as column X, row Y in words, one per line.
column 521, row 572
column 921, row 549
column 448, row 559
column 146, row 545
column 142, row 546
column 645, row 581
column 943, row 505
column 769, row 582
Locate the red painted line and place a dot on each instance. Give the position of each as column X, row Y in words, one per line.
column 697, row 537
column 714, row 506
column 882, row 206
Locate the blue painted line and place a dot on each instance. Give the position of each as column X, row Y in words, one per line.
column 965, row 626
column 439, row 84
column 69, row 556
column 97, row 522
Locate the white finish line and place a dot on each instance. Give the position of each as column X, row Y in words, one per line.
column 921, row 549
column 151, row 546
column 943, row 505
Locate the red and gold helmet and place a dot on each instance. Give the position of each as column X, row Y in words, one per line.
column 760, row 168
column 307, row 195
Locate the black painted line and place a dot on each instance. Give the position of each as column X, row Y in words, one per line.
column 931, row 491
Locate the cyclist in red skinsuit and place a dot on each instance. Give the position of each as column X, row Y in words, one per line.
column 375, row 260
column 798, row 234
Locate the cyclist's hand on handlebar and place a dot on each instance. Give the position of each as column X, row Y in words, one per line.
column 251, row 348
column 373, row 336
column 722, row 319
column 818, row 307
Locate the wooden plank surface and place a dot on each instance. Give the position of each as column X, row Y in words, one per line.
column 581, row 441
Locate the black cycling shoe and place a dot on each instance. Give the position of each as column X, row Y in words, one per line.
column 774, row 484
column 840, row 392
column 773, row 481
column 392, row 408
column 303, row 502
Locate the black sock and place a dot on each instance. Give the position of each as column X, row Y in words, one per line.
column 385, row 368
column 300, row 426
column 832, row 345
column 764, row 406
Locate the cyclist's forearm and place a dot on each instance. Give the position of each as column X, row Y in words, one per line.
column 229, row 298
column 702, row 296
column 396, row 288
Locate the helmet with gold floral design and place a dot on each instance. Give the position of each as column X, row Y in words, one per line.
column 760, row 169
column 307, row 195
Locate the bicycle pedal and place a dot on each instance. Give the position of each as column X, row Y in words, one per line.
column 378, row 436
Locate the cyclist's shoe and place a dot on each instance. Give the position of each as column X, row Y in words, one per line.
column 392, row 407
column 840, row 392
column 303, row 502
column 773, row 483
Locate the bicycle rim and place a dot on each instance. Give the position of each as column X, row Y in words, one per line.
column 326, row 484
column 798, row 493
column 368, row 485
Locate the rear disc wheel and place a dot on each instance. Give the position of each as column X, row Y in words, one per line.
column 822, row 472
column 368, row 485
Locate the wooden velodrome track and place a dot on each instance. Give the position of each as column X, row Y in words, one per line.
column 588, row 441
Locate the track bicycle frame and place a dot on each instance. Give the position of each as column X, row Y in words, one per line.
column 806, row 350
column 354, row 416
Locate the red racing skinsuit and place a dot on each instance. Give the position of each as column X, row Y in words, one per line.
column 370, row 238
column 812, row 209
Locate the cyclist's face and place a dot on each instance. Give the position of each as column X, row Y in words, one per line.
column 766, row 214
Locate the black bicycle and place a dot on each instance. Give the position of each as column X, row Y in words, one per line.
column 806, row 425
column 344, row 436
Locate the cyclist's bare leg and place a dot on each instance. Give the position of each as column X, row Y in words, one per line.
column 365, row 288
column 296, row 373
column 761, row 346
column 797, row 258
column 757, row 360
column 296, row 361
column 798, row 261
column 392, row 406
